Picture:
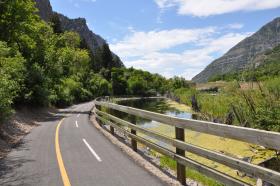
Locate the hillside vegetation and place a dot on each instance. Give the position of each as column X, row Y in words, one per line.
column 269, row 67
column 240, row 56
column 256, row 106
column 40, row 65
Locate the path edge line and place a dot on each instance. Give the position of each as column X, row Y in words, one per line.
column 63, row 173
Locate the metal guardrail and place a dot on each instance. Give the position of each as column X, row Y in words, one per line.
column 254, row 136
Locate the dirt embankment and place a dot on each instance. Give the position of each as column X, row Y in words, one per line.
column 19, row 125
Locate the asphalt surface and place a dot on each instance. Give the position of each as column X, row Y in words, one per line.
column 88, row 157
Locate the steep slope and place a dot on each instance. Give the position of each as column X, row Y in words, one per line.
column 45, row 9
column 78, row 25
column 240, row 56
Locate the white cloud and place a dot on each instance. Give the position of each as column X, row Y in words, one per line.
column 141, row 43
column 152, row 50
column 202, row 8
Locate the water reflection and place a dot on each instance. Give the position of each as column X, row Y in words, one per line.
column 154, row 105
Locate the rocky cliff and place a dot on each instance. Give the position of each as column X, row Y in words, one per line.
column 45, row 9
column 78, row 25
column 240, row 56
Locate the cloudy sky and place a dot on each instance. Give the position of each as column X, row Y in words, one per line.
column 171, row 37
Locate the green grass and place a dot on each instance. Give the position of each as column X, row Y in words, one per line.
column 190, row 173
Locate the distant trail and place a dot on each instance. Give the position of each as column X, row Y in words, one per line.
column 71, row 151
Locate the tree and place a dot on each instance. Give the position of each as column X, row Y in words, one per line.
column 17, row 20
column 106, row 56
column 119, row 83
column 11, row 78
column 137, row 86
column 99, row 86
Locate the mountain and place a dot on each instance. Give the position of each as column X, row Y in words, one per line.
column 240, row 56
column 79, row 25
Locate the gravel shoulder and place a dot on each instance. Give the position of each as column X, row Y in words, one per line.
column 19, row 125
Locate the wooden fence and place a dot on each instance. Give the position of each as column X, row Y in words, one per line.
column 264, row 138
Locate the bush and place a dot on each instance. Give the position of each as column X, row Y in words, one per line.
column 137, row 86
column 11, row 78
column 67, row 91
column 99, row 86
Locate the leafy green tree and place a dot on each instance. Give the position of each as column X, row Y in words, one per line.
column 107, row 58
column 119, row 83
column 11, row 78
column 17, row 20
column 106, row 73
column 179, row 82
column 99, row 86
column 137, row 86
column 103, row 58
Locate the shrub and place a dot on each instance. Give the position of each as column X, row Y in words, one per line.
column 11, row 77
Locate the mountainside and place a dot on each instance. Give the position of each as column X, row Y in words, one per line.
column 78, row 25
column 240, row 56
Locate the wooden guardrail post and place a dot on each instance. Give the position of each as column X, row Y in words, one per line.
column 112, row 130
column 181, row 169
column 133, row 141
column 98, row 107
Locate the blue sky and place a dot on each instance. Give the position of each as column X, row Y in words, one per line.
column 171, row 37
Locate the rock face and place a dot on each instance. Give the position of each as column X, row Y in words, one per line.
column 240, row 56
column 78, row 25
column 45, row 9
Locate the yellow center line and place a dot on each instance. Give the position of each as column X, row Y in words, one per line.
column 62, row 169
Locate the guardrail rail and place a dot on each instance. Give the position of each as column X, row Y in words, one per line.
column 254, row 136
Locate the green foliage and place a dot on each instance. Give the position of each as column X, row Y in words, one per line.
column 256, row 108
column 269, row 67
column 273, row 88
column 106, row 56
column 184, row 94
column 137, row 82
column 137, row 85
column 11, row 76
column 225, row 77
column 68, row 91
column 99, row 86
column 103, row 58
column 179, row 82
column 215, row 107
column 17, row 20
column 119, row 84
column 260, row 108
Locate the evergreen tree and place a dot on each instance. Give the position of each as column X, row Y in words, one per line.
column 106, row 57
